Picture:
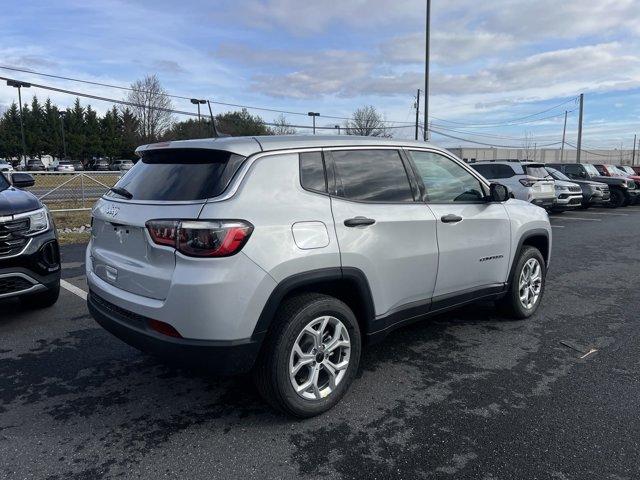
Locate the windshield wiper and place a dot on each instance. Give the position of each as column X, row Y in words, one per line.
column 123, row 192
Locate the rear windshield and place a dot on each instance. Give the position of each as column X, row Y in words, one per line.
column 538, row 172
column 180, row 174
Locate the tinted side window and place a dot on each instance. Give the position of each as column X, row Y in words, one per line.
column 503, row 171
column 572, row 170
column 487, row 171
column 312, row 175
column 445, row 180
column 371, row 176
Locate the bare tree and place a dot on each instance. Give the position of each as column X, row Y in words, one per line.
column 151, row 107
column 282, row 127
column 530, row 147
column 366, row 121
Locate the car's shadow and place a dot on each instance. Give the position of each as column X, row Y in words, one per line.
column 136, row 401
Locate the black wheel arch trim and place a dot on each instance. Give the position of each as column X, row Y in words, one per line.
column 536, row 232
column 316, row 277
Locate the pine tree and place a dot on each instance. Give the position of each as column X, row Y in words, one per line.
column 75, row 133
column 10, row 142
column 93, row 142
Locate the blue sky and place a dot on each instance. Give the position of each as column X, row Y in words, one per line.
column 492, row 61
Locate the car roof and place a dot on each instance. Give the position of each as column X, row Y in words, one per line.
column 249, row 145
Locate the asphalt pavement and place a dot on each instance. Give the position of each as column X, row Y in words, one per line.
column 464, row 395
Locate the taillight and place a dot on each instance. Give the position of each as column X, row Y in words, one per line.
column 201, row 238
column 527, row 182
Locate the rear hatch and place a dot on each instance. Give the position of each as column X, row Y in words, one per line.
column 164, row 184
column 544, row 185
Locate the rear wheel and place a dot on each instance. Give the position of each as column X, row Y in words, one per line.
column 526, row 285
column 310, row 359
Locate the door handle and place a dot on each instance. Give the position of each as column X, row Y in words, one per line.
column 358, row 221
column 451, row 218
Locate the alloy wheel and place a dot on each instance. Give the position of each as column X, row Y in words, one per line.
column 319, row 358
column 530, row 284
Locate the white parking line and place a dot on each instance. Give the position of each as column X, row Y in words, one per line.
column 73, row 289
column 576, row 218
column 605, row 213
column 557, row 226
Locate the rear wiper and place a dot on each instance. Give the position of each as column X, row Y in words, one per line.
column 123, row 192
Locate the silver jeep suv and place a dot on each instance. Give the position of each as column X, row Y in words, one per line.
column 283, row 255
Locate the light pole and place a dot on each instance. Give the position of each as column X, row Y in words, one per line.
column 314, row 115
column 17, row 84
column 62, row 114
column 337, row 127
column 198, row 102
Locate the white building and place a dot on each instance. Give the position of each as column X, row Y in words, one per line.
column 545, row 155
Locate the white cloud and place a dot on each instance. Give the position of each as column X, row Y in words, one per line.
column 447, row 47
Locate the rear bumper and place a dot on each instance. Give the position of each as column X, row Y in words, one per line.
column 219, row 357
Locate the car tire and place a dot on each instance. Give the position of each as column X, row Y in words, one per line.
column 512, row 304
column 43, row 299
column 274, row 372
column 617, row 199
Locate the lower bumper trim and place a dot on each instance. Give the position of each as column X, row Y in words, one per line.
column 218, row 357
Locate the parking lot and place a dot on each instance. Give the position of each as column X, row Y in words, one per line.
column 467, row 394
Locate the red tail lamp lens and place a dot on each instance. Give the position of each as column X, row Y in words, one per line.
column 196, row 238
column 164, row 328
column 163, row 232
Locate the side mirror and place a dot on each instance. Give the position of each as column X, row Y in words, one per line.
column 498, row 193
column 583, row 174
column 22, row 180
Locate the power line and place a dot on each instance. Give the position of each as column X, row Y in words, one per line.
column 487, row 144
column 235, row 105
column 492, row 124
column 171, row 110
column 489, row 135
column 514, row 123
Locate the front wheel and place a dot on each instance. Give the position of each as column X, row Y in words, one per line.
column 526, row 286
column 617, row 198
column 311, row 357
column 43, row 299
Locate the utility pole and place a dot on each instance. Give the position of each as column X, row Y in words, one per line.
column 426, row 72
column 564, row 134
column 314, row 115
column 580, row 128
column 17, row 84
column 633, row 155
column 64, row 143
column 417, row 112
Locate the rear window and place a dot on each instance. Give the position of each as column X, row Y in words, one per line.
column 494, row 171
column 180, row 174
column 538, row 172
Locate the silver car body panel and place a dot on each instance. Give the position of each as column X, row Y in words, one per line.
column 408, row 255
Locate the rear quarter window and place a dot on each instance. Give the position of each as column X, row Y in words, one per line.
column 180, row 174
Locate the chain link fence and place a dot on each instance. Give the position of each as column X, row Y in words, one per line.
column 73, row 191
